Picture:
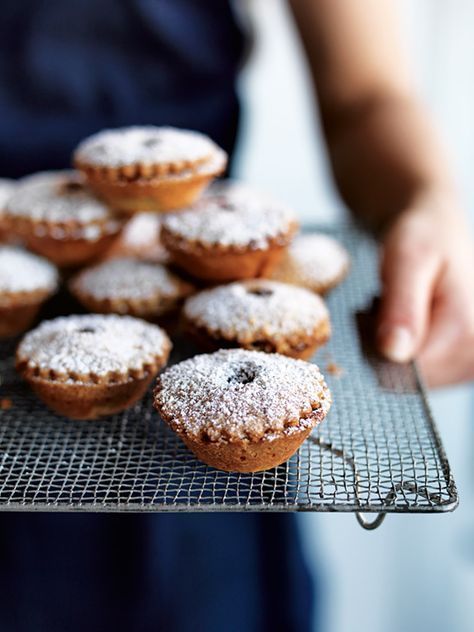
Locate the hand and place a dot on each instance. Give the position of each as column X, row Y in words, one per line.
column 427, row 308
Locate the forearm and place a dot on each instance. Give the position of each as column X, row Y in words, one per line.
column 389, row 165
column 385, row 156
column 383, row 149
column 393, row 174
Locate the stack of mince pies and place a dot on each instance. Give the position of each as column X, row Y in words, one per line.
column 149, row 247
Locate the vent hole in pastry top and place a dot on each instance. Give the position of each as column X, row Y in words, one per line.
column 151, row 142
column 227, row 206
column 224, row 204
column 86, row 330
column 244, row 374
column 101, row 150
column 260, row 291
column 70, row 187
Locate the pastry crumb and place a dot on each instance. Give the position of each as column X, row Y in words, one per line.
column 334, row 369
column 5, row 403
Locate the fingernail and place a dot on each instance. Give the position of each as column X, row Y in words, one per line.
column 396, row 343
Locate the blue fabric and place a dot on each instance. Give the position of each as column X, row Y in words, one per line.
column 67, row 69
column 179, row 573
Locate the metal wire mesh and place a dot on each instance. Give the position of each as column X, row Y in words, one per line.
column 378, row 450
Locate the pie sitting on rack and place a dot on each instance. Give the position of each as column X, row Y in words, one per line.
column 242, row 411
column 87, row 366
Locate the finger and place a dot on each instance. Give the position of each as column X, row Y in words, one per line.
column 447, row 355
column 409, row 273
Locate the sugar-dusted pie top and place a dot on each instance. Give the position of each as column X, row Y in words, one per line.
column 128, row 278
column 256, row 309
column 313, row 260
column 234, row 216
column 61, row 198
column 145, row 145
column 236, row 394
column 7, row 187
column 142, row 231
column 78, row 347
column 21, row 271
column 140, row 238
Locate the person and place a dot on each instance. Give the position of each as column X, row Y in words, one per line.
column 391, row 170
column 69, row 69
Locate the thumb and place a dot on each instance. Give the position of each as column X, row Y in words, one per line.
column 409, row 272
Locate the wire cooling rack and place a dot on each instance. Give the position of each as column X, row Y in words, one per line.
column 377, row 451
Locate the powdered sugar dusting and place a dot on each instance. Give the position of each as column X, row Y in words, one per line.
column 240, row 394
column 142, row 230
column 140, row 238
column 144, row 145
column 313, row 260
column 59, row 197
column 21, row 271
column 7, row 187
column 233, row 216
column 93, row 344
column 128, row 278
column 256, row 309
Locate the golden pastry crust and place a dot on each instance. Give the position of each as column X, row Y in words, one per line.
column 145, row 152
column 130, row 286
column 240, row 410
column 315, row 261
column 88, row 366
column 158, row 195
column 149, row 168
column 234, row 233
column 142, row 172
column 248, row 456
column 261, row 315
column 26, row 282
column 219, row 264
column 302, row 348
column 56, row 216
column 67, row 252
column 7, row 188
column 19, row 310
column 90, row 401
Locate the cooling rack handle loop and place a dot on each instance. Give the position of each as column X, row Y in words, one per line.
column 370, row 525
column 390, row 497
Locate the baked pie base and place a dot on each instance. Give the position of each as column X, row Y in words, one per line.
column 247, row 455
column 87, row 390
column 70, row 252
column 303, row 349
column 242, row 411
column 220, row 264
column 19, row 310
column 90, row 401
column 132, row 189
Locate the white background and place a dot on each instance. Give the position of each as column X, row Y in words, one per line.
column 416, row 573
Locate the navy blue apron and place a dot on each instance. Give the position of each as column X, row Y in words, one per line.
column 69, row 68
